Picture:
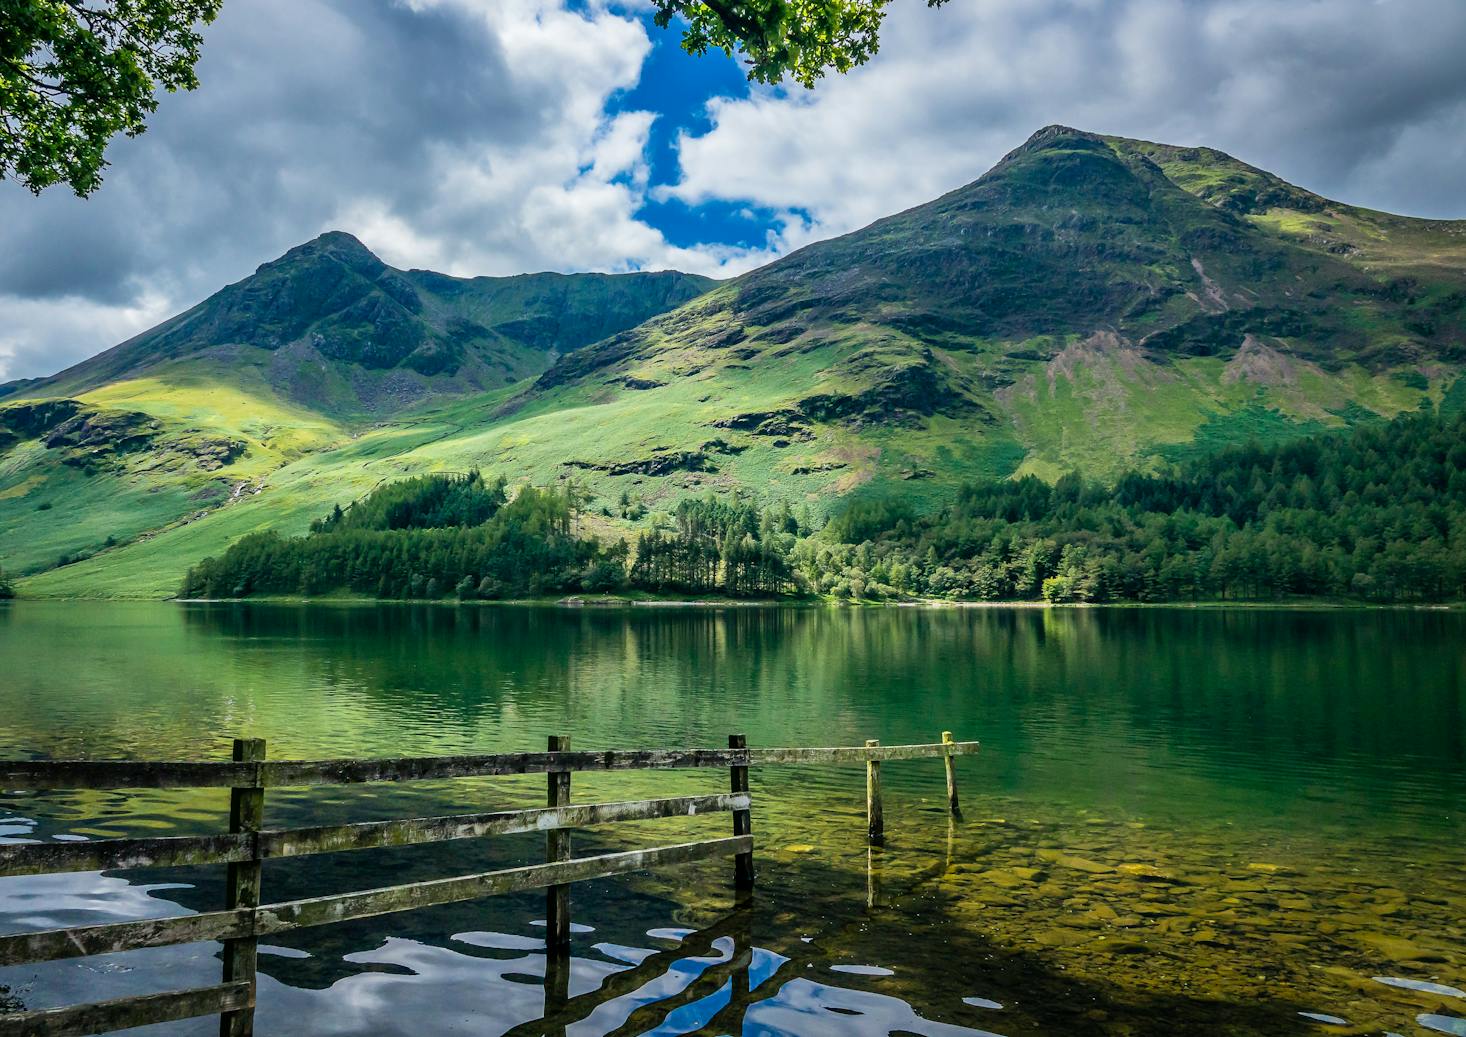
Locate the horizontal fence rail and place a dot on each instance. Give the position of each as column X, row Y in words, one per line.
column 127, row 1012
column 273, row 919
column 176, row 851
column 110, row 937
column 247, row 845
column 861, row 754
column 343, row 907
column 109, row 774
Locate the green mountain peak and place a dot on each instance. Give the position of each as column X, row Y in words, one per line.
column 331, row 326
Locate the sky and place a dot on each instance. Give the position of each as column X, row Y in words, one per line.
column 503, row 136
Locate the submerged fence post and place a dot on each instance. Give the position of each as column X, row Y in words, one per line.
column 246, row 814
column 742, row 819
column 874, row 815
column 873, row 856
column 557, row 990
column 951, row 761
column 557, row 848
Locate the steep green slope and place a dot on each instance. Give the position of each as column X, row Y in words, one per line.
column 1376, row 242
column 1091, row 303
column 330, row 326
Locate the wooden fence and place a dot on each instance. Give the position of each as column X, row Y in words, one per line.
column 247, row 845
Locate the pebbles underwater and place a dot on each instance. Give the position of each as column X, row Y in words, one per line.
column 1077, row 924
column 1350, row 939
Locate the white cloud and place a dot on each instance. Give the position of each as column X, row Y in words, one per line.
column 66, row 322
column 620, row 148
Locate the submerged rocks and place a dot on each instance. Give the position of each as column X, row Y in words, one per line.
column 1146, row 912
column 1004, row 878
column 1397, row 948
column 1067, row 860
column 1060, row 938
column 1148, row 873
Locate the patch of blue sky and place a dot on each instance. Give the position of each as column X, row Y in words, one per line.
column 677, row 88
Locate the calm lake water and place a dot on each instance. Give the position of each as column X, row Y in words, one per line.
column 1182, row 821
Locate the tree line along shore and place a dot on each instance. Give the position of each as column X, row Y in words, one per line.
column 1374, row 514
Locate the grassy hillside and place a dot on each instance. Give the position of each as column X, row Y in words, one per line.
column 1091, row 303
column 199, row 443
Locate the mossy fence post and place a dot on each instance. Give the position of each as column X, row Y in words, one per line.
column 951, row 761
column 246, row 815
column 557, row 848
column 874, row 813
column 742, row 819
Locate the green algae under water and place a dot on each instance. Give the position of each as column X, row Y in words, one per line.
column 1182, row 820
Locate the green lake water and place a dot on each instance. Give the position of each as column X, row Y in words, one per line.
column 1182, row 821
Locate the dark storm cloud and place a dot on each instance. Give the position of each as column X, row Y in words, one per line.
column 1322, row 92
column 57, row 250
column 302, row 104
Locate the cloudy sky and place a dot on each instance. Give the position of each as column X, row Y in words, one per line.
column 500, row 136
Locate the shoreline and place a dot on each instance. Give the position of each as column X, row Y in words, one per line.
column 590, row 601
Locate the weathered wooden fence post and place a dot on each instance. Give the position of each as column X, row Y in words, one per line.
column 742, row 819
column 246, row 814
column 874, row 814
column 557, row 848
column 951, row 761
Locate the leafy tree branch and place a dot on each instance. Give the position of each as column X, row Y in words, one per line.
column 801, row 39
column 74, row 74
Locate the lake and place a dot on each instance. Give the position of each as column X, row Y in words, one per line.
column 1182, row 820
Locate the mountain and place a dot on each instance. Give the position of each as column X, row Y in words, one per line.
column 1091, row 303
column 331, row 326
column 290, row 363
